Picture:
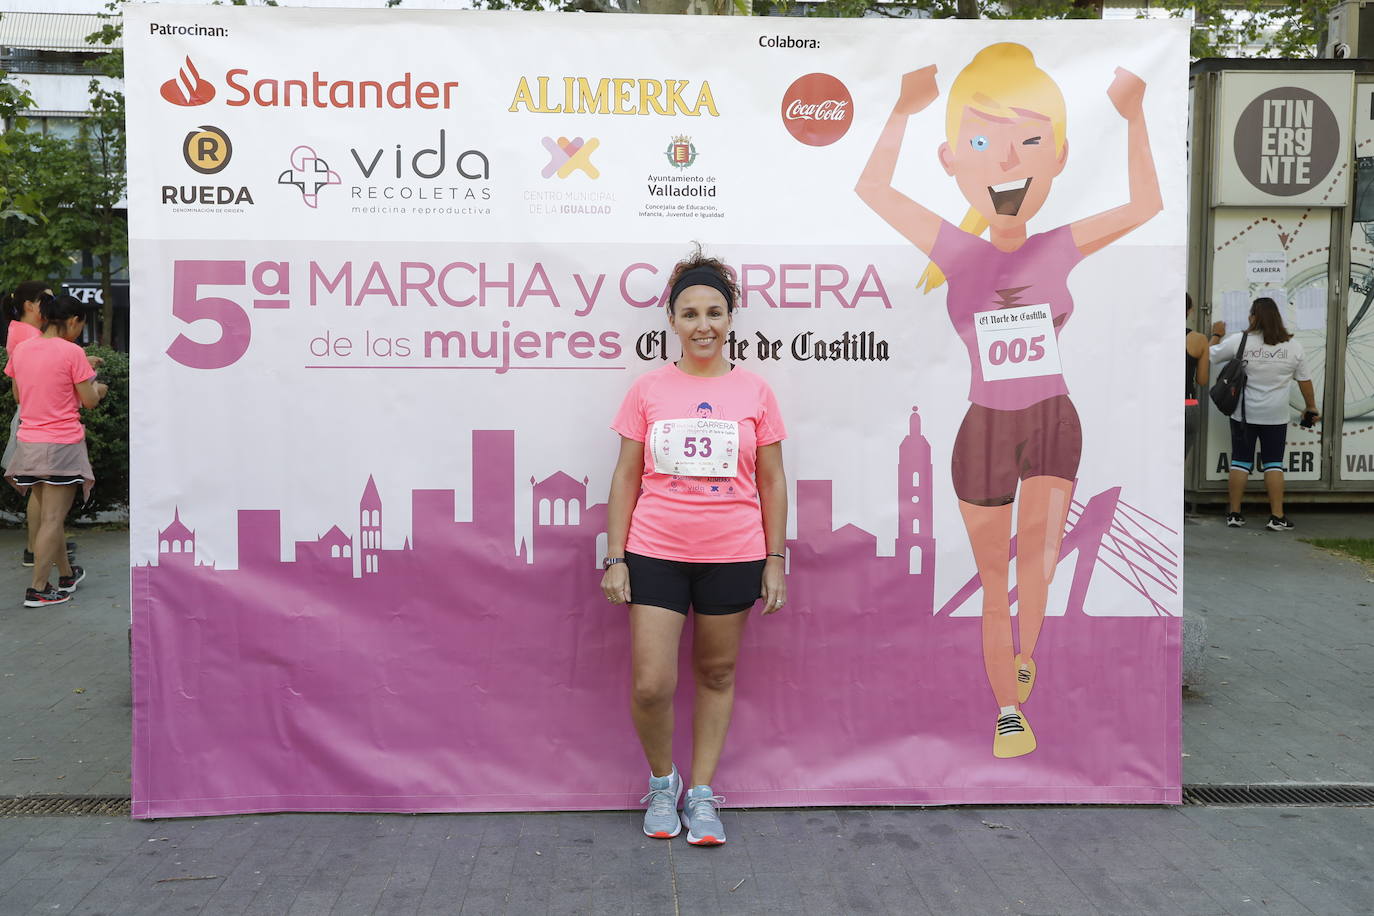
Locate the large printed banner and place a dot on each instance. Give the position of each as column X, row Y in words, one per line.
column 393, row 273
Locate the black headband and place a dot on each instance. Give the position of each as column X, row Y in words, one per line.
column 702, row 276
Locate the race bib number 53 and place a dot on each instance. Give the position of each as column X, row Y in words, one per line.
column 1017, row 342
column 695, row 447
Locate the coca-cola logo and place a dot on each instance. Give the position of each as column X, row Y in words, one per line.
column 187, row 88
column 817, row 109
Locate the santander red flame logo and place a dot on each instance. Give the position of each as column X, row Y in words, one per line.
column 188, row 88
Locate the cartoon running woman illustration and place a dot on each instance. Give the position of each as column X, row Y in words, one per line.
column 1008, row 300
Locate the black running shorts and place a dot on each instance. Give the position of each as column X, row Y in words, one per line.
column 707, row 588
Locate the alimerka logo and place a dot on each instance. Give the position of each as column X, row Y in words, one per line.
column 615, row 96
column 187, row 88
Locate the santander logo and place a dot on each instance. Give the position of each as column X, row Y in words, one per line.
column 817, row 109
column 187, row 88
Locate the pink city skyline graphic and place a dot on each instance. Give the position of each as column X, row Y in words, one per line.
column 469, row 669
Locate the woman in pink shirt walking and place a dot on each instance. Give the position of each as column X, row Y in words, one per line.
column 53, row 379
column 697, row 519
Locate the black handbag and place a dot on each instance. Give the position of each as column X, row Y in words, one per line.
column 1228, row 390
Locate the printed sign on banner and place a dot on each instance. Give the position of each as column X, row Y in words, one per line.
column 395, row 271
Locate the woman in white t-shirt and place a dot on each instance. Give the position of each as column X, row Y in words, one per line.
column 1273, row 362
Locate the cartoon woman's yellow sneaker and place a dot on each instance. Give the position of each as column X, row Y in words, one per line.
column 1013, row 737
column 1025, row 678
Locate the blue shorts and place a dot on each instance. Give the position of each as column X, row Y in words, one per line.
column 1272, row 438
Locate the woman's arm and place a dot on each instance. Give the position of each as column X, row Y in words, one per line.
column 1310, row 396
column 1092, row 233
column 629, row 468
column 1196, row 345
column 773, row 502
column 91, row 392
column 919, row 225
column 1225, row 349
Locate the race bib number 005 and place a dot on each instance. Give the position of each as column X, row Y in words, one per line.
column 695, row 447
column 1017, row 342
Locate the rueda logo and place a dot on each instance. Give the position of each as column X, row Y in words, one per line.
column 207, row 149
column 817, row 109
column 309, row 174
column 187, row 88
column 567, row 156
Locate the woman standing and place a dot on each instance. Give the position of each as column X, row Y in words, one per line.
column 1273, row 361
column 1196, row 369
column 1005, row 143
column 53, row 380
column 697, row 519
column 22, row 308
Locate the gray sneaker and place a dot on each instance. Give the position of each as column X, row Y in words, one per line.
column 661, row 819
column 701, row 817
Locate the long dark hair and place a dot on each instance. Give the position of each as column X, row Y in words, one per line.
column 57, row 309
column 1266, row 319
column 12, row 307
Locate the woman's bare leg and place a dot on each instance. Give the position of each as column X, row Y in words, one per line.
column 1043, row 509
column 33, row 518
column 51, row 541
column 1273, row 486
column 715, row 648
column 1235, row 488
column 654, row 636
column 989, row 534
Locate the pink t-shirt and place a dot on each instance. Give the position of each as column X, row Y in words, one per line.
column 48, row 370
column 984, row 278
column 700, row 519
column 18, row 332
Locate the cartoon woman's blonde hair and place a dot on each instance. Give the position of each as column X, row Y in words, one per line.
column 1000, row 79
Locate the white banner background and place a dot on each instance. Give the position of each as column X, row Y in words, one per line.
column 271, row 432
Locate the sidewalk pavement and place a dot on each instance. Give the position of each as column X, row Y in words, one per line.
column 1285, row 697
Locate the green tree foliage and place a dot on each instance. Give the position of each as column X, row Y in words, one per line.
column 14, row 101
column 1263, row 28
column 1270, row 28
column 49, row 175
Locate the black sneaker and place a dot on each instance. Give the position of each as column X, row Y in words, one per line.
column 1235, row 520
column 49, row 595
column 67, row 584
column 1279, row 523
column 28, row 554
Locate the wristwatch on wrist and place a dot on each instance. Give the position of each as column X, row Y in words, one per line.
column 608, row 562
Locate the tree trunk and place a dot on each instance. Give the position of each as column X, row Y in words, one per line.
column 107, row 295
column 967, row 9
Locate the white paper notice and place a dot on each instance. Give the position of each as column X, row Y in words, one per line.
column 1310, row 305
column 1235, row 310
column 1266, row 267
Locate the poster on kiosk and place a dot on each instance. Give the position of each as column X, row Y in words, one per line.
column 394, row 273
